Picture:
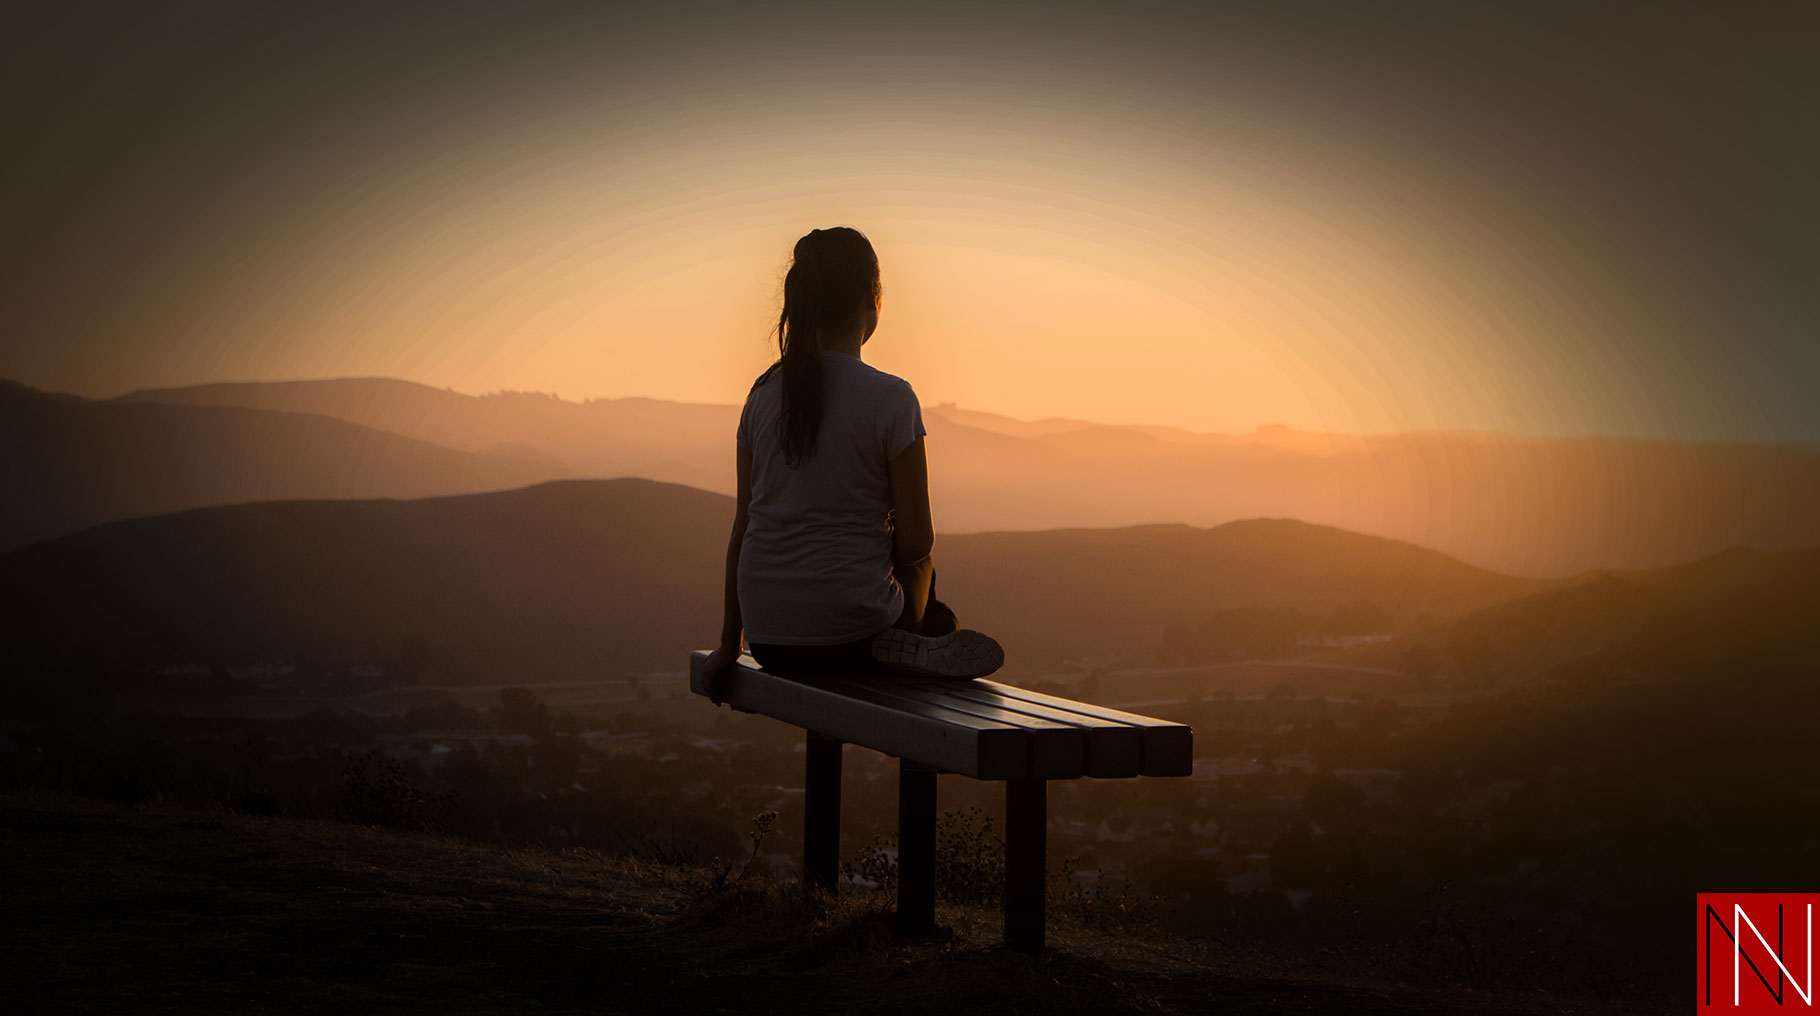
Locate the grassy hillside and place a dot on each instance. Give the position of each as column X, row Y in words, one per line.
column 580, row 578
column 157, row 909
column 71, row 463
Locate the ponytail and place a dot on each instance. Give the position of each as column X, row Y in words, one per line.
column 833, row 273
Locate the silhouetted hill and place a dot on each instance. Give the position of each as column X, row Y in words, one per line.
column 1746, row 616
column 590, row 577
column 648, row 438
column 70, row 463
column 1779, row 587
column 567, row 577
column 10, row 389
column 1076, row 591
column 1528, row 506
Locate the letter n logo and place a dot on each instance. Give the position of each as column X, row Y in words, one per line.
column 1756, row 953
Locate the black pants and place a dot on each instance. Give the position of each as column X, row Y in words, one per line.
column 848, row 657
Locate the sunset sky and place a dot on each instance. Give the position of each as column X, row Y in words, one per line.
column 1346, row 216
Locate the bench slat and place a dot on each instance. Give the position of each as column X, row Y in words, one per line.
column 1113, row 747
column 1058, row 750
column 1168, row 747
column 943, row 738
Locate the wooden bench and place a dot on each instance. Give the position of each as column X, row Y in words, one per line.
column 982, row 729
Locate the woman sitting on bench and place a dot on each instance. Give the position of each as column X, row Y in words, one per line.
column 829, row 567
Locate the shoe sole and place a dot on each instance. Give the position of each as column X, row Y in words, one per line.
column 964, row 654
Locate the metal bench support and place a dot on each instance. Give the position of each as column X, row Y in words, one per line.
column 1026, row 820
column 821, row 811
column 915, row 848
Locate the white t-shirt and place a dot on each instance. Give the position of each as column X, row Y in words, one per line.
column 815, row 567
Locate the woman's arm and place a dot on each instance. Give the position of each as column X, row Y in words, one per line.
column 913, row 532
column 732, row 624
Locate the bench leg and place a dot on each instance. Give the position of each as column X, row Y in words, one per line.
column 1026, row 820
column 915, row 848
column 821, row 811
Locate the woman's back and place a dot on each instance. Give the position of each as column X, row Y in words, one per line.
column 829, row 564
column 815, row 566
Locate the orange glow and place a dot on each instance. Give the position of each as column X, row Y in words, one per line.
column 1260, row 313
column 1110, row 222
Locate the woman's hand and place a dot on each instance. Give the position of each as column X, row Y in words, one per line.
column 715, row 669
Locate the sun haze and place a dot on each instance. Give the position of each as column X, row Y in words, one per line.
column 1168, row 216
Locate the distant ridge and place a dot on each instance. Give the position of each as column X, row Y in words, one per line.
column 10, row 389
column 1532, row 506
column 71, row 462
column 653, row 438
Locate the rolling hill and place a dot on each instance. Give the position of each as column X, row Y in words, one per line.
column 580, row 578
column 648, row 438
column 1088, row 591
column 568, row 577
column 71, row 463
column 1746, row 617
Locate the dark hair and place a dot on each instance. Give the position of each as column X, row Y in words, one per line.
column 833, row 278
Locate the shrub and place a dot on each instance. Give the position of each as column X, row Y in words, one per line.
column 374, row 791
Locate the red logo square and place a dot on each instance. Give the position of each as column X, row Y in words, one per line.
column 1756, row 952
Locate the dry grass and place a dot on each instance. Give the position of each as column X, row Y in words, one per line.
column 161, row 909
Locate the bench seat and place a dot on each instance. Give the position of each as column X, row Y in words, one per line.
column 979, row 728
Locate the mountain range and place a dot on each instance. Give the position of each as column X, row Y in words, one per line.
column 1536, row 506
column 71, row 463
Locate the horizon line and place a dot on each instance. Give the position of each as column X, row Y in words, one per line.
column 1272, row 426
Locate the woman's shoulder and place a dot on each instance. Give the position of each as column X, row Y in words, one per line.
column 883, row 380
column 766, row 375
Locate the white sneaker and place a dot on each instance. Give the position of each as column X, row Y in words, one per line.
column 964, row 654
